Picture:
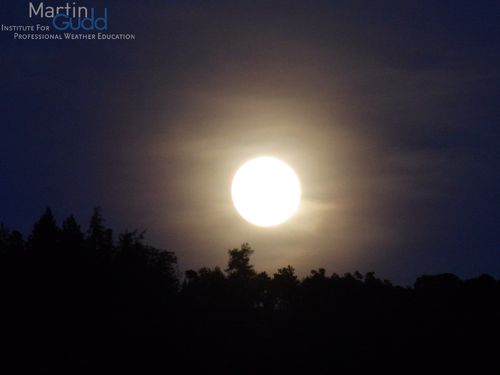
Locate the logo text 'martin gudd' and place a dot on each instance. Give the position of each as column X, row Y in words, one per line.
column 71, row 16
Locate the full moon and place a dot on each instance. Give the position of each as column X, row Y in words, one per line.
column 266, row 192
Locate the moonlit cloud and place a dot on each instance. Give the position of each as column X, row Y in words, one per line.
column 388, row 114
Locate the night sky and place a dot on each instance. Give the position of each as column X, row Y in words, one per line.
column 388, row 111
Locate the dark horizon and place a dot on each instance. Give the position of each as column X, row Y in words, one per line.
column 76, row 301
column 115, row 236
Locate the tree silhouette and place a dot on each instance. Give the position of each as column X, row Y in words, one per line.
column 285, row 285
column 63, row 283
column 45, row 233
column 99, row 238
column 239, row 266
column 71, row 233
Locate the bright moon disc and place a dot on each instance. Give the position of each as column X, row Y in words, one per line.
column 266, row 192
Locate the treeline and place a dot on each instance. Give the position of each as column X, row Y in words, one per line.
column 66, row 286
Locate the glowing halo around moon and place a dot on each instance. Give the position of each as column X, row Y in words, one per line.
column 266, row 192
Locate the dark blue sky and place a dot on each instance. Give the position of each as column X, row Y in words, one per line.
column 389, row 112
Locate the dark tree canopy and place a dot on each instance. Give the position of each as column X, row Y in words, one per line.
column 239, row 266
column 65, row 283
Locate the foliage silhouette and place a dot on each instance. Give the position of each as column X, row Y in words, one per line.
column 238, row 266
column 63, row 287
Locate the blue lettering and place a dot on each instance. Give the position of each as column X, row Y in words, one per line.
column 63, row 22
column 104, row 21
column 64, row 25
